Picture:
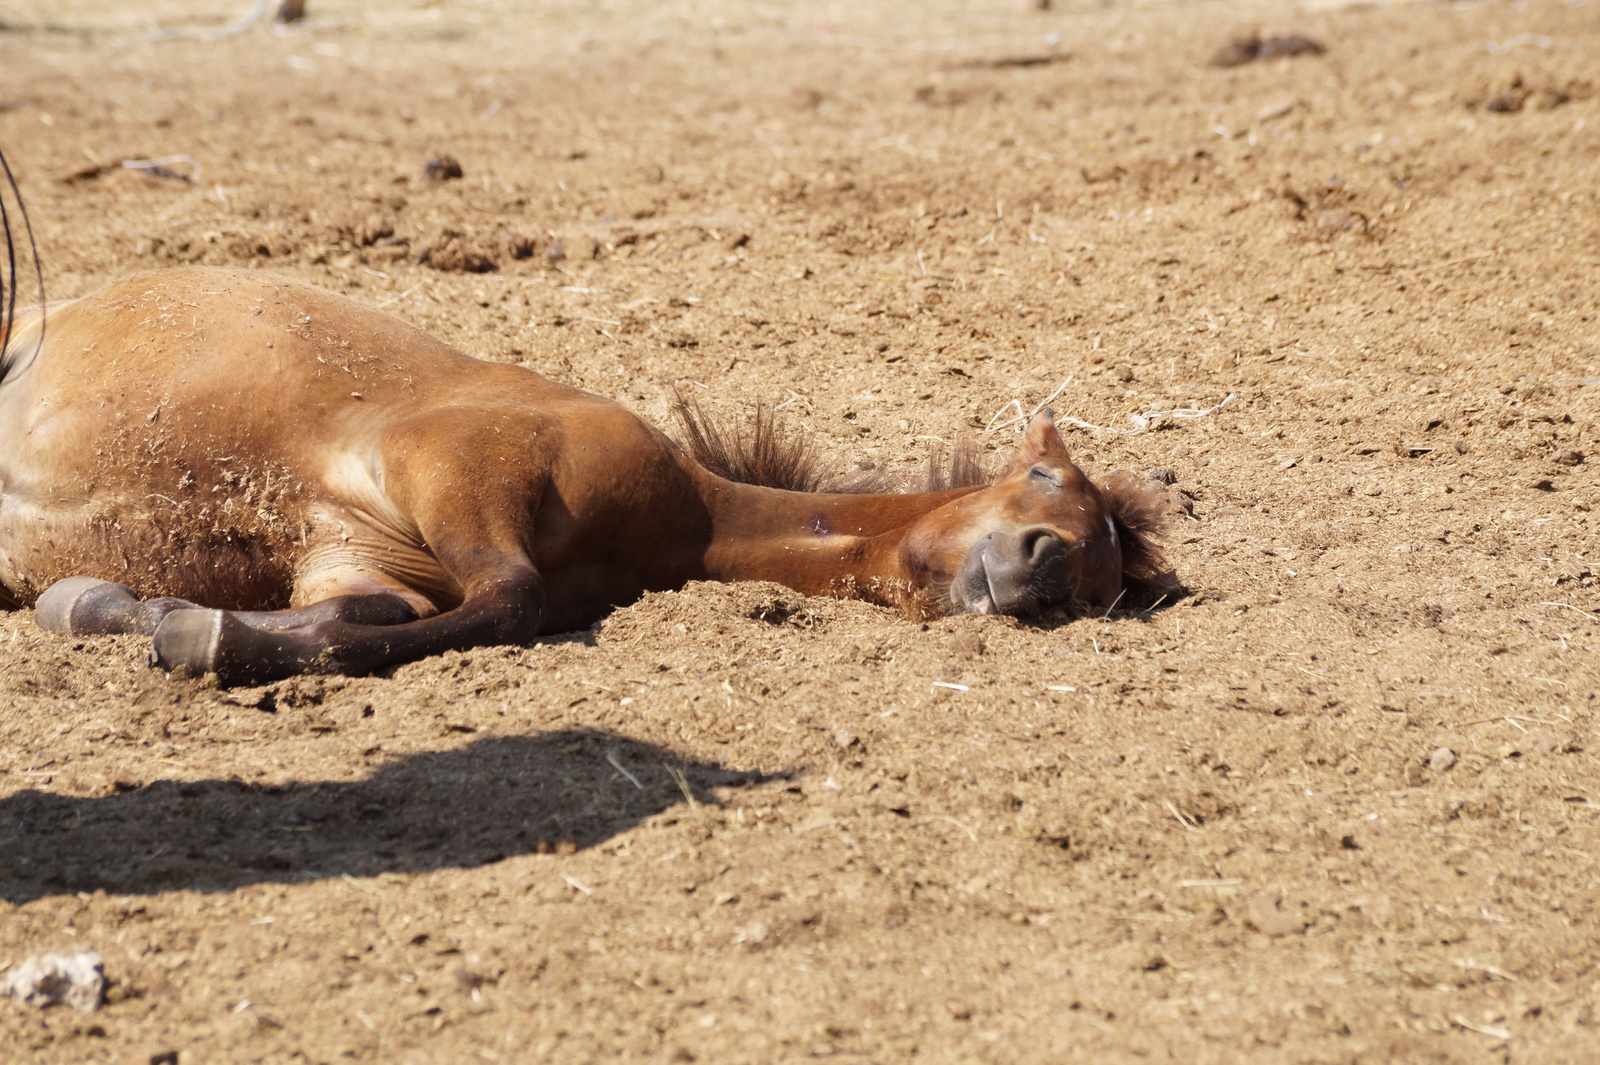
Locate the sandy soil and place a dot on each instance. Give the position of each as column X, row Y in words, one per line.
column 735, row 824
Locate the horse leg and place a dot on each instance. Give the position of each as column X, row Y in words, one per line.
column 87, row 606
column 503, row 610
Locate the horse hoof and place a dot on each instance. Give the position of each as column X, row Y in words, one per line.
column 188, row 638
column 55, row 607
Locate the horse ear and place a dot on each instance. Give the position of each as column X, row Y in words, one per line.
column 1041, row 442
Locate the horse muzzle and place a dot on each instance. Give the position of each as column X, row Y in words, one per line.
column 1019, row 572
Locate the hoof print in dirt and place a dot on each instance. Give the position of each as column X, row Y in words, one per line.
column 1242, row 50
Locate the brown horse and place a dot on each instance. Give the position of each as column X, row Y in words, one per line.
column 270, row 478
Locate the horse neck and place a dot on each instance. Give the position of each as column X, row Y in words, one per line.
column 817, row 543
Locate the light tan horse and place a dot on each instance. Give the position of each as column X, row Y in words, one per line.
column 271, row 478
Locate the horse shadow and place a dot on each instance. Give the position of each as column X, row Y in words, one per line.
column 492, row 799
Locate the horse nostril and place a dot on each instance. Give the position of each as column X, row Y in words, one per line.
column 1040, row 544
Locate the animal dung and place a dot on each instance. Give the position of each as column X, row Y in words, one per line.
column 1242, row 50
column 77, row 980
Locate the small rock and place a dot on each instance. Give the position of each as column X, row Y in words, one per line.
column 753, row 933
column 1443, row 758
column 50, row 979
column 1569, row 458
column 1508, row 102
column 442, row 168
column 845, row 738
column 1461, row 447
column 1413, row 776
column 1335, row 220
column 1277, row 110
column 1164, row 474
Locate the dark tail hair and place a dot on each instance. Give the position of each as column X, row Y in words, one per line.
column 8, row 270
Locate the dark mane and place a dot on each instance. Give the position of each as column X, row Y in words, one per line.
column 766, row 453
column 1140, row 511
column 8, row 269
column 964, row 467
column 769, row 454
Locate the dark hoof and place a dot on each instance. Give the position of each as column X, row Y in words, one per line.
column 96, row 602
column 190, row 638
column 216, row 641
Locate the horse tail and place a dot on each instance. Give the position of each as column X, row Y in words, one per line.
column 9, row 278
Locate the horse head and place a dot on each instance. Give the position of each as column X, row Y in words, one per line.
column 1040, row 536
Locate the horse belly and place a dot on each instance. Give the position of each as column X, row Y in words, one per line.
column 156, row 550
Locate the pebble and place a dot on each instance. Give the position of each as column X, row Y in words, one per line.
column 1443, row 758
column 78, row 980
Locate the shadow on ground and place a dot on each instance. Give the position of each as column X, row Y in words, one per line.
column 492, row 799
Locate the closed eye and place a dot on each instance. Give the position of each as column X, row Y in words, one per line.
column 1040, row 473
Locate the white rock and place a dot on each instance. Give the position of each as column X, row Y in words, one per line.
column 1443, row 758
column 48, row 979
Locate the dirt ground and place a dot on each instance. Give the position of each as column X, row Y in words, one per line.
column 736, row 824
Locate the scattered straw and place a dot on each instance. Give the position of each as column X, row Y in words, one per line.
column 1182, row 820
column 611, row 756
column 941, row 817
column 577, row 884
column 1142, row 422
column 683, row 786
column 952, row 687
column 1482, row 1029
column 403, row 295
column 1021, row 420
column 1569, row 606
column 1509, row 718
